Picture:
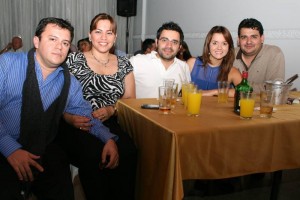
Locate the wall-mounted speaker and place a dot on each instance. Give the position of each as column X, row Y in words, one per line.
column 126, row 8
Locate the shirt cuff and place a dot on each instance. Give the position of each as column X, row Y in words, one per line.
column 8, row 145
column 101, row 131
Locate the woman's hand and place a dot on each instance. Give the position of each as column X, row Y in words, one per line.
column 83, row 123
column 209, row 93
column 104, row 113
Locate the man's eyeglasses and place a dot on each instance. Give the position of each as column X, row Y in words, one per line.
column 166, row 40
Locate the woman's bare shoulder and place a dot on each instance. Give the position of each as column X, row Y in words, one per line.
column 191, row 61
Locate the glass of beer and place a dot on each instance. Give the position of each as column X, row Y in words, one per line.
column 247, row 102
column 223, row 89
column 165, row 99
column 267, row 99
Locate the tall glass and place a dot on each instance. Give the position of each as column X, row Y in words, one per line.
column 223, row 89
column 168, row 82
column 183, row 92
column 194, row 98
column 185, row 89
column 267, row 100
column 174, row 95
column 247, row 102
column 165, row 95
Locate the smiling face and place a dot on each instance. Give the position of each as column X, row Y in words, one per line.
column 218, row 47
column 168, row 44
column 250, row 41
column 52, row 47
column 103, row 37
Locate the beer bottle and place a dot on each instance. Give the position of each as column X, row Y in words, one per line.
column 242, row 87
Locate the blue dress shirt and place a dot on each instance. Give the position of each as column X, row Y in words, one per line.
column 13, row 68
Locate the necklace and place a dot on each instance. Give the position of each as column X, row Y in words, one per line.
column 100, row 61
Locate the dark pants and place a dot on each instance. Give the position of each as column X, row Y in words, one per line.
column 84, row 151
column 54, row 183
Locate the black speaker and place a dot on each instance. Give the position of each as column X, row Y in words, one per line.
column 126, row 8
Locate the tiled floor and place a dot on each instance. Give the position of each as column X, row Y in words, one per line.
column 249, row 189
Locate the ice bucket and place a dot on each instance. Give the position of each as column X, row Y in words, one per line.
column 281, row 90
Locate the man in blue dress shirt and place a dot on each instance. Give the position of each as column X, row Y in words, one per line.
column 35, row 90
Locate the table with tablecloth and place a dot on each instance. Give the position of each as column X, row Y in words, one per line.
column 217, row 144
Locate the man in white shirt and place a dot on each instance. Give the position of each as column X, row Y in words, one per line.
column 150, row 69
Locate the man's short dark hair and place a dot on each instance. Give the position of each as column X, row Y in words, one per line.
column 251, row 23
column 147, row 44
column 52, row 20
column 170, row 26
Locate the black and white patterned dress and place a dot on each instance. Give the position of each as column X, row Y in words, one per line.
column 102, row 91
column 99, row 90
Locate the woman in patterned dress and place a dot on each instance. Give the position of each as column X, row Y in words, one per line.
column 105, row 78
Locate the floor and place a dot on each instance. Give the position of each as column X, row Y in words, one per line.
column 247, row 188
column 78, row 191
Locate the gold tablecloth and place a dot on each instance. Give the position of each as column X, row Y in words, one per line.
column 217, row 144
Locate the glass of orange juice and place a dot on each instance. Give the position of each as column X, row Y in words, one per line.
column 185, row 90
column 194, row 97
column 247, row 102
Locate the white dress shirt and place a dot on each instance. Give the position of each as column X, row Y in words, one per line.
column 149, row 73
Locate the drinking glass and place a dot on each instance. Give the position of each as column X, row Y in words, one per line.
column 267, row 100
column 174, row 95
column 194, row 98
column 247, row 102
column 223, row 89
column 183, row 92
column 168, row 82
column 165, row 95
column 185, row 89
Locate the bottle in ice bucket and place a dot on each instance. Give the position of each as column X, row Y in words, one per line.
column 242, row 87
